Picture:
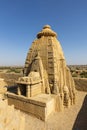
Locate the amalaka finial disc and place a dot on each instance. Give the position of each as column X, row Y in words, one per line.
column 46, row 31
column 47, row 26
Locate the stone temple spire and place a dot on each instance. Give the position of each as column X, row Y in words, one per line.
column 50, row 66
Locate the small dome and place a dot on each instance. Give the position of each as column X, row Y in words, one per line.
column 46, row 31
column 47, row 26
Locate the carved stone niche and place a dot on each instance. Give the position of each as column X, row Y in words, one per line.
column 33, row 83
column 30, row 85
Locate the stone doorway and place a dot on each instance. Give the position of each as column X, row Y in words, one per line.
column 23, row 89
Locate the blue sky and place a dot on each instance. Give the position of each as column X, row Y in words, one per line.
column 21, row 20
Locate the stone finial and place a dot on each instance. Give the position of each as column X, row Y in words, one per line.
column 46, row 31
column 47, row 26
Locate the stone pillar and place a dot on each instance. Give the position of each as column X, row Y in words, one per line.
column 28, row 94
column 19, row 91
column 48, row 88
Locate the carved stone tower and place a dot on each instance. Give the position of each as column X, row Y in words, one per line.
column 45, row 61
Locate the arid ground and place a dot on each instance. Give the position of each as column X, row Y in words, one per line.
column 73, row 118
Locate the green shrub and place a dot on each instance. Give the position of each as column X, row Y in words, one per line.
column 74, row 75
column 83, row 74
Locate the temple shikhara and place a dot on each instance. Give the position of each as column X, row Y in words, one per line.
column 47, row 84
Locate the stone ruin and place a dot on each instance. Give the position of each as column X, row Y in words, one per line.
column 46, row 75
column 10, row 119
